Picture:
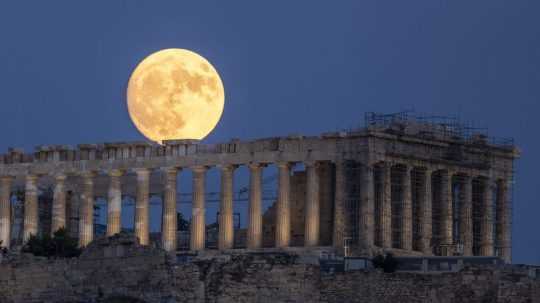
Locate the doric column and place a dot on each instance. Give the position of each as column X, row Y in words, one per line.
column 504, row 223
column 142, row 205
column 406, row 223
column 170, row 225
column 254, row 233
column 198, row 209
column 367, row 207
column 446, row 207
column 312, row 205
column 5, row 211
column 486, row 229
column 425, row 212
column 283, row 209
column 465, row 216
column 386, row 207
column 86, row 216
column 31, row 217
column 114, row 209
column 59, row 204
column 339, row 205
column 226, row 227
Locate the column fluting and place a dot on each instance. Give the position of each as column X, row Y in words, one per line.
column 142, row 206
column 254, row 236
column 367, row 207
column 465, row 216
column 198, row 230
column 170, row 224
column 114, row 209
column 407, row 218
column 339, row 206
column 86, row 216
column 425, row 212
column 283, row 209
column 486, row 242
column 5, row 211
column 31, row 217
column 386, row 208
column 504, row 222
column 446, row 208
column 59, row 204
column 226, row 224
column 312, row 222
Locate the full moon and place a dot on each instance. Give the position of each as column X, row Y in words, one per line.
column 175, row 94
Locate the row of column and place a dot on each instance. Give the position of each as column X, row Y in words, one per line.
column 169, row 226
column 424, row 198
column 366, row 217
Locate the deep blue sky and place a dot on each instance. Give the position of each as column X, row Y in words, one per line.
column 287, row 66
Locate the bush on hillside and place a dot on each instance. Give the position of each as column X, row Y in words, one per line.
column 60, row 245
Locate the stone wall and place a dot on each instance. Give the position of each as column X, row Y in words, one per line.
column 119, row 270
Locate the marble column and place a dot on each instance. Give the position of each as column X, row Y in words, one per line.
column 386, row 207
column 31, row 217
column 86, row 217
column 312, row 209
column 486, row 228
column 339, row 206
column 226, row 223
column 407, row 218
column 425, row 212
column 142, row 205
column 283, row 209
column 504, row 223
column 465, row 216
column 170, row 224
column 197, row 240
column 446, row 208
column 367, row 207
column 114, row 209
column 59, row 204
column 5, row 211
column 254, row 232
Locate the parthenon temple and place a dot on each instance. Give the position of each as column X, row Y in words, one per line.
column 407, row 184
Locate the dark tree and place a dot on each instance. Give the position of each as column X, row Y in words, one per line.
column 182, row 224
column 378, row 261
column 388, row 263
column 61, row 245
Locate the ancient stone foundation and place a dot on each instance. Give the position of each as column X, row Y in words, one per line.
column 118, row 269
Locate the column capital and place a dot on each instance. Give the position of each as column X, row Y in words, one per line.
column 408, row 167
column 223, row 167
column 199, row 168
column 428, row 171
column 31, row 177
column 115, row 173
column 60, row 178
column 87, row 174
column 312, row 163
column 255, row 165
column 386, row 164
column 487, row 181
column 4, row 179
column 283, row 164
column 170, row 169
column 142, row 170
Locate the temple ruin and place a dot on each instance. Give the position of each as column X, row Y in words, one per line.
column 408, row 184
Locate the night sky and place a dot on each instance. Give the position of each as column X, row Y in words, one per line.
column 302, row 67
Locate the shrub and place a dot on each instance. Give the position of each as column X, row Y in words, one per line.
column 378, row 261
column 388, row 263
column 60, row 245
